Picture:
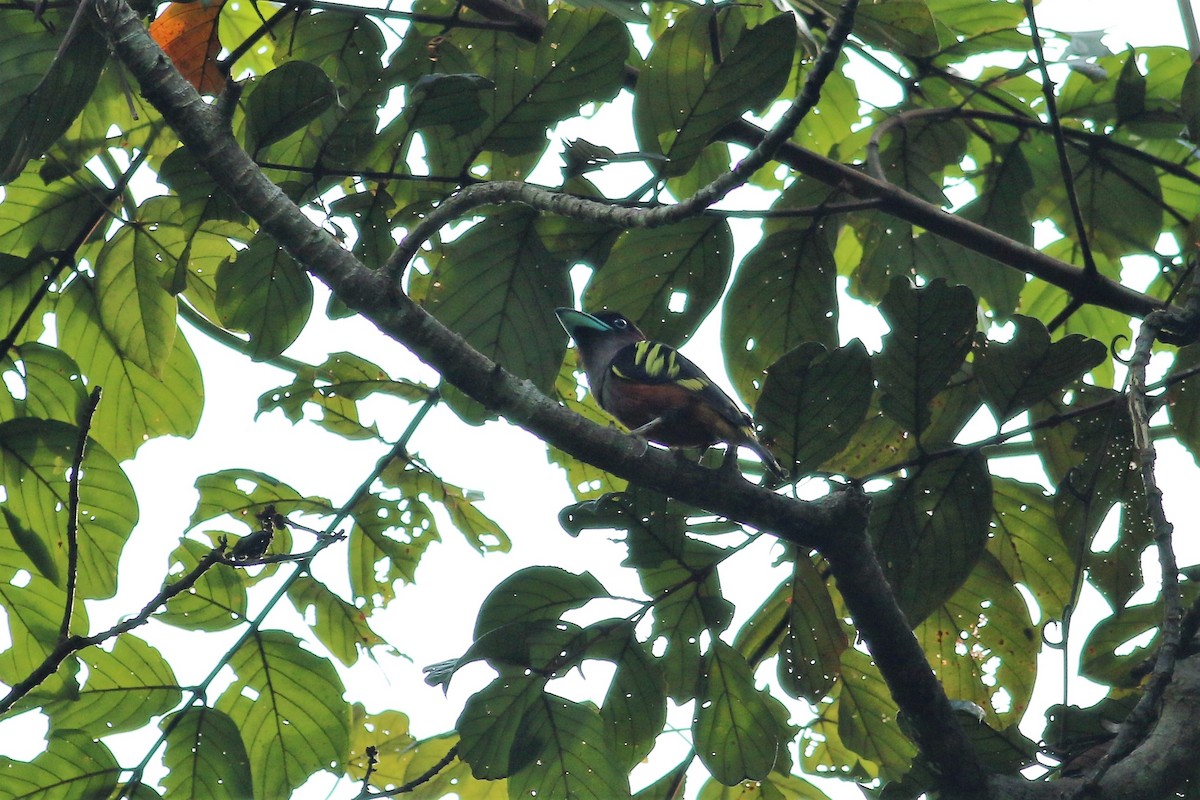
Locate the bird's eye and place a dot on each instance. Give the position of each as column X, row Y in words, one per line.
column 620, row 323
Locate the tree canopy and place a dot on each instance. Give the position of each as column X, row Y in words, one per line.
column 411, row 161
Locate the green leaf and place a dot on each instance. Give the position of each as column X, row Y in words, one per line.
column 43, row 89
column 784, row 294
column 810, row 652
column 906, row 26
column 571, row 760
column 930, row 530
column 880, row 443
column 32, row 546
column 1189, row 101
column 931, row 331
column 733, row 729
column 982, row 645
column 74, row 764
column 480, row 531
column 340, row 626
column 245, row 493
column 691, row 259
column 1028, row 545
column 348, row 49
column 265, row 293
column 578, row 59
column 136, row 308
column 204, row 755
column 216, row 602
column 1107, row 474
column 53, row 384
column 39, row 217
column 452, row 100
column 776, row 786
column 288, row 705
column 489, row 724
column 1100, row 661
column 20, row 279
column 497, row 286
column 536, row 593
column 813, row 402
column 35, row 612
column 285, row 100
column 137, row 406
column 867, row 717
column 1130, row 95
column 401, row 759
column 1028, row 368
column 34, row 459
column 635, row 706
column 1183, row 397
column 124, row 689
column 386, row 544
column 685, row 95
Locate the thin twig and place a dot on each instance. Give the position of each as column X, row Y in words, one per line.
column 422, row 779
column 73, row 644
column 1060, row 146
column 472, row 197
column 86, row 415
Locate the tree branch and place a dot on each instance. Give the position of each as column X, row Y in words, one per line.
column 86, row 414
column 1060, row 146
column 73, row 644
column 582, row 208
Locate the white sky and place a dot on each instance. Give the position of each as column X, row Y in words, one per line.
column 432, row 620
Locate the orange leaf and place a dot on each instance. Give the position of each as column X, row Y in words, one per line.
column 187, row 32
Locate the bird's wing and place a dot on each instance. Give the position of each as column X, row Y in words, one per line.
column 657, row 363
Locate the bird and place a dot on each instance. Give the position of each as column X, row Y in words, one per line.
column 656, row 391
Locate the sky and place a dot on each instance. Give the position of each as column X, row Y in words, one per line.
column 432, row 620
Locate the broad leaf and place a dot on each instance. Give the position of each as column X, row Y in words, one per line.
column 204, row 755
column 931, row 330
column 497, row 286
column 124, row 689
column 734, row 729
column 691, row 262
column 686, row 93
column 287, row 704
column 813, row 402
column 930, row 529
column 1015, row 375
column 783, row 295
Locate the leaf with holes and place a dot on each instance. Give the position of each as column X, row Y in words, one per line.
column 783, row 295
column 1015, row 375
column 665, row 279
column 265, row 293
column 734, row 727
column 813, row 402
column 686, row 94
column 931, row 528
column 124, row 689
column 204, row 755
column 288, row 706
column 931, row 330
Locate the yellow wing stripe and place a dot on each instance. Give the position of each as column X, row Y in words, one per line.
column 656, row 359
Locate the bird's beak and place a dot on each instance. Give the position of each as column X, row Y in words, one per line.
column 574, row 321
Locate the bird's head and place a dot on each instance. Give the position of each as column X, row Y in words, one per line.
column 599, row 336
